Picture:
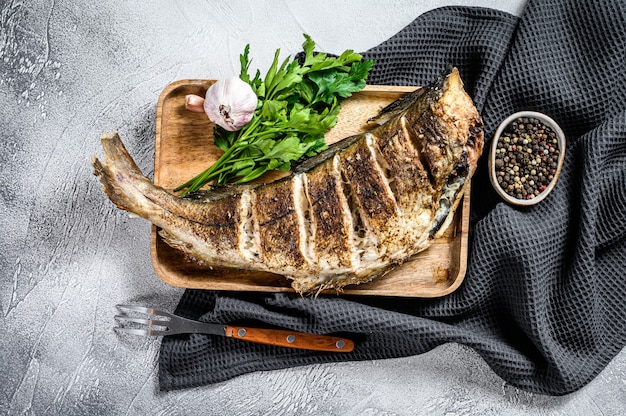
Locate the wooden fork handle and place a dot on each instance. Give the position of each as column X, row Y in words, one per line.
column 290, row 339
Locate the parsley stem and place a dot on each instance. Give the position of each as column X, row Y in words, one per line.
column 214, row 170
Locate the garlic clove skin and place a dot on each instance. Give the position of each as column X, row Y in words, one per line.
column 230, row 103
column 194, row 103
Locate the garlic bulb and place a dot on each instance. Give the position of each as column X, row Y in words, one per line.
column 230, row 103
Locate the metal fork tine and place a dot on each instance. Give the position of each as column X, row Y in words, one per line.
column 142, row 309
column 125, row 318
column 142, row 332
column 147, row 331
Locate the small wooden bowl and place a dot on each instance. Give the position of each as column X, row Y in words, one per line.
column 492, row 157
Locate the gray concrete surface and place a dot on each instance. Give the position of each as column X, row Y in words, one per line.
column 70, row 70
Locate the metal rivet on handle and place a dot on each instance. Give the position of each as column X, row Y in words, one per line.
column 241, row 332
column 340, row 344
column 291, row 338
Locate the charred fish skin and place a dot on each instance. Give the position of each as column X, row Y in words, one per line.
column 350, row 214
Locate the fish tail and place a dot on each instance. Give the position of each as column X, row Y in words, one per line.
column 120, row 176
column 183, row 223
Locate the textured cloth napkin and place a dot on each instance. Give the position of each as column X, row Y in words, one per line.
column 544, row 298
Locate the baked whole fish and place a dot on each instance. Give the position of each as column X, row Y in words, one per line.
column 346, row 216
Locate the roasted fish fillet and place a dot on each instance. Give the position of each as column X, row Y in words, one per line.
column 346, row 216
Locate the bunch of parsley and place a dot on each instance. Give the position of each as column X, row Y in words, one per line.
column 299, row 101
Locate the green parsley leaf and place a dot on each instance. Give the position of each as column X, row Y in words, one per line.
column 298, row 104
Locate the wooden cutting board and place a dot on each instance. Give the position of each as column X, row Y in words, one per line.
column 184, row 147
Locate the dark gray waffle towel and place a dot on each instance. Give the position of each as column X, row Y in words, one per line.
column 544, row 298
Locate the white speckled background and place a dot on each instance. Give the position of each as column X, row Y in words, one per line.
column 70, row 70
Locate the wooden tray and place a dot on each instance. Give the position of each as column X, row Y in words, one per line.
column 184, row 148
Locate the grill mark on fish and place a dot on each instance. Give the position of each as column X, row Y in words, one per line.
column 364, row 244
column 433, row 151
column 383, row 167
column 367, row 182
column 248, row 242
column 405, row 170
column 278, row 224
column 357, row 210
column 278, row 217
column 303, row 208
column 328, row 206
column 219, row 224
